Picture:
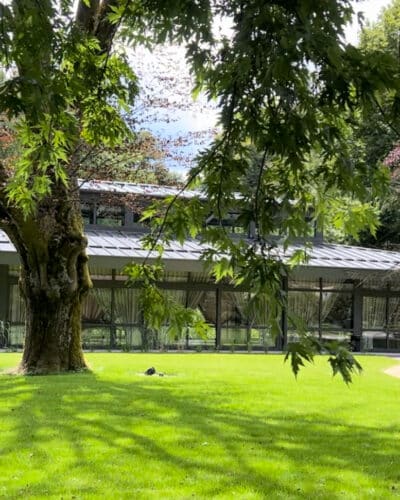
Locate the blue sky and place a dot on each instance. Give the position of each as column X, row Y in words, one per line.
column 167, row 109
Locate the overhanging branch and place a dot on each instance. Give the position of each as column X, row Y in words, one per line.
column 105, row 30
column 86, row 16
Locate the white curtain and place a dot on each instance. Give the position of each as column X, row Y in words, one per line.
column 126, row 305
column 17, row 305
column 329, row 298
column 304, row 305
column 394, row 314
column 102, row 297
column 374, row 312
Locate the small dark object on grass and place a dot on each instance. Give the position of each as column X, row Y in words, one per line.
column 150, row 371
column 160, row 374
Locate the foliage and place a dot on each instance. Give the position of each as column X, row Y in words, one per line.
column 138, row 159
column 378, row 128
column 340, row 359
column 60, row 96
column 159, row 309
column 347, row 219
column 287, row 87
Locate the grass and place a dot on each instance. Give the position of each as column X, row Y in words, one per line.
column 218, row 426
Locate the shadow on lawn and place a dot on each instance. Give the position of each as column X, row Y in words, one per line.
column 82, row 410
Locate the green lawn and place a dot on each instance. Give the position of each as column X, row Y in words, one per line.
column 217, row 426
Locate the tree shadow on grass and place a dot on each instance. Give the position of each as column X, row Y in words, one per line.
column 80, row 434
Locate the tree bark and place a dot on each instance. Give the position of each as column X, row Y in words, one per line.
column 53, row 335
column 54, row 279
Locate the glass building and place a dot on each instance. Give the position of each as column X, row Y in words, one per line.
column 342, row 292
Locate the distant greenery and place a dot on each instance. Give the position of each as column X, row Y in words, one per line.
column 376, row 135
column 215, row 426
column 139, row 159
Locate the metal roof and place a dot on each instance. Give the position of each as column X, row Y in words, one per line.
column 139, row 189
column 117, row 248
column 349, row 257
column 122, row 247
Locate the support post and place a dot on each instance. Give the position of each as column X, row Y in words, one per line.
column 320, row 305
column 387, row 316
column 113, row 331
column 284, row 320
column 186, row 306
column 358, row 312
column 218, row 306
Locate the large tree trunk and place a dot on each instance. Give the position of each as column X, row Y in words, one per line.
column 53, row 281
column 53, row 334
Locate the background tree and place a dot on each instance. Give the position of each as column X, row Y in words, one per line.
column 139, row 159
column 287, row 86
column 376, row 132
column 65, row 88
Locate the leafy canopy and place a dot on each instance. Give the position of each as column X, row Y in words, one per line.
column 287, row 85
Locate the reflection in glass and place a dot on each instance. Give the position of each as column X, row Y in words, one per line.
column 110, row 215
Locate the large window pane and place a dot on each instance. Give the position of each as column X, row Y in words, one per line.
column 126, row 306
column 16, row 335
column 205, row 302
column 97, row 306
column 374, row 323
column 394, row 314
column 336, row 310
column 96, row 337
column 394, row 324
column 234, row 329
column 16, row 305
column 304, row 306
column 374, row 313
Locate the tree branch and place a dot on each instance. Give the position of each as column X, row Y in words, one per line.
column 105, row 30
column 385, row 119
column 86, row 17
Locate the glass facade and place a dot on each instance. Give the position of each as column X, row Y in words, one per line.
column 112, row 317
column 322, row 307
column 381, row 323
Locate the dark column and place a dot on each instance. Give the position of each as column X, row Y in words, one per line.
column 282, row 342
column 387, row 316
column 357, row 313
column 320, row 305
column 113, row 330
column 186, row 306
column 218, row 305
column 4, row 305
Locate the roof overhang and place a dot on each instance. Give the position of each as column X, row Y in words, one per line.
column 116, row 249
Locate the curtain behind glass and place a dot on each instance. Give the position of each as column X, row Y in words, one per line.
column 394, row 314
column 304, row 305
column 97, row 305
column 17, row 305
column 178, row 296
column 126, row 306
column 374, row 312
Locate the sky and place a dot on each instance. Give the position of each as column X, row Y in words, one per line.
column 166, row 106
column 371, row 9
